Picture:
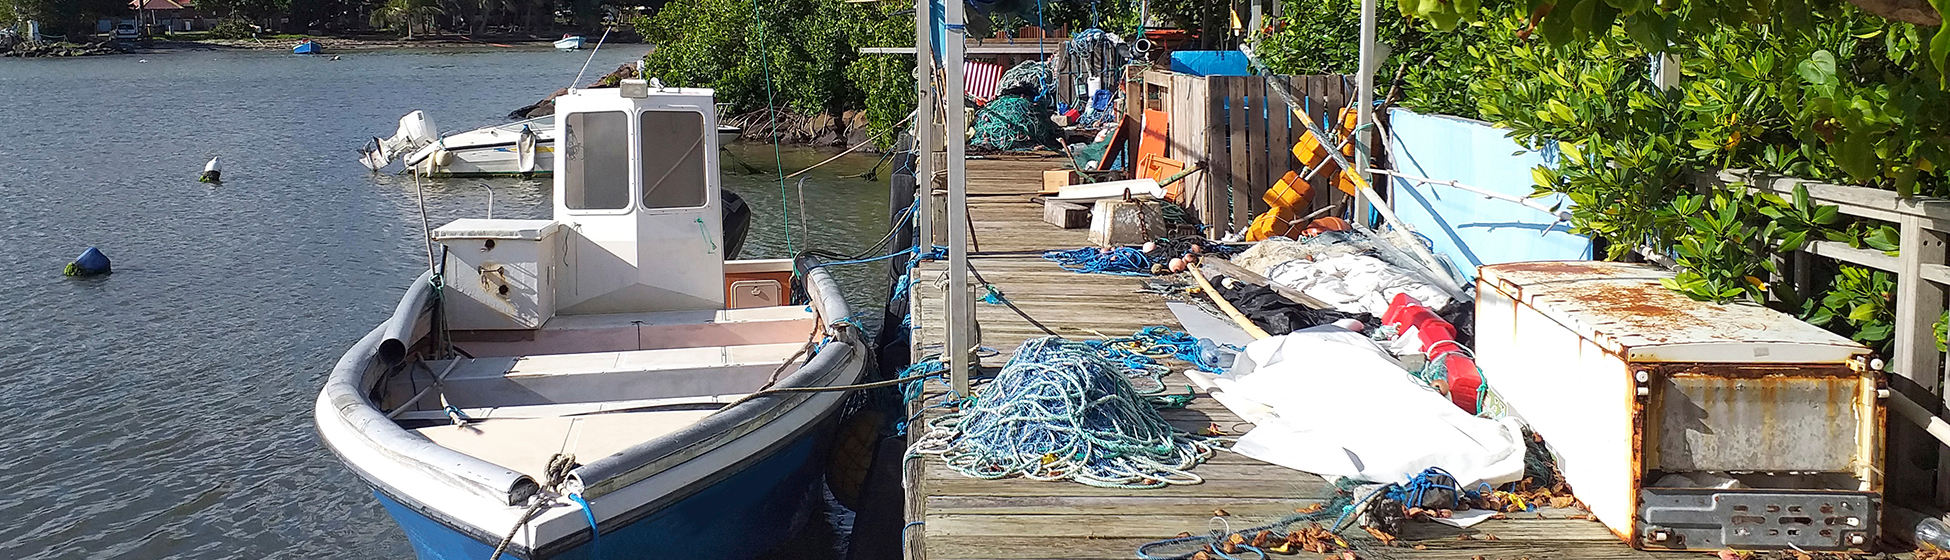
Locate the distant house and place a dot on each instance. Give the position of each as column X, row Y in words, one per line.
column 174, row 15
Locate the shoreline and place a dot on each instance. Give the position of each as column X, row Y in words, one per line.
column 345, row 44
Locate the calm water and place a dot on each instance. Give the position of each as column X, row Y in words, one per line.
column 165, row 411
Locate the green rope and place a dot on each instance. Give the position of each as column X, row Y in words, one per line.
column 772, row 114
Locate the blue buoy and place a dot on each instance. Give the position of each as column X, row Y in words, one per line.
column 90, row 263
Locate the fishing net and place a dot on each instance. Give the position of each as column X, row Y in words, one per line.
column 1060, row 411
column 1018, row 118
column 1013, row 123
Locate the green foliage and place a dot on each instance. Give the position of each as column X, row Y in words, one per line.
column 248, row 9
column 406, row 15
column 1722, row 255
column 231, row 28
column 1861, row 304
column 809, row 49
column 1323, row 37
column 1726, row 247
column 75, row 18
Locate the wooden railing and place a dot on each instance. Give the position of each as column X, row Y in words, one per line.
column 1922, row 274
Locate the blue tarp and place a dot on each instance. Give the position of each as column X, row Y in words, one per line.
column 1210, row 63
column 1468, row 228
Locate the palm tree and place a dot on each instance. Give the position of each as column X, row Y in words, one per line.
column 406, row 13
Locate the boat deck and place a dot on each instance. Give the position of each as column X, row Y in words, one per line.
column 950, row 516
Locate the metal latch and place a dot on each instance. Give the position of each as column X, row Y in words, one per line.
column 1713, row 519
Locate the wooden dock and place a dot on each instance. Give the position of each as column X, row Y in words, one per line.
column 950, row 516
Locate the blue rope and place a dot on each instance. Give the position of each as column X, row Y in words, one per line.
column 595, row 546
column 1122, row 261
column 1060, row 411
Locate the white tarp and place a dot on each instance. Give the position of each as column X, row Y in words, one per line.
column 1340, row 406
column 1354, row 283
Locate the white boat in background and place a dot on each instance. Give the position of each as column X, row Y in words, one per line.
column 604, row 384
column 519, row 148
column 569, row 42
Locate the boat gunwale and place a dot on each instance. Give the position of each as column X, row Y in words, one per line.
column 346, row 387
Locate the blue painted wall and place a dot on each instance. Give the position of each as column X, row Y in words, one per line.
column 1469, row 229
column 1210, row 63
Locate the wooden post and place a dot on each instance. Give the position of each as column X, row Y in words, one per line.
column 1918, row 304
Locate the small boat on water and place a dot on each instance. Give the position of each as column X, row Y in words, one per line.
column 569, row 42
column 608, row 383
column 308, row 47
column 518, row 148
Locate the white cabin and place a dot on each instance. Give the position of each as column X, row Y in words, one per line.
column 612, row 247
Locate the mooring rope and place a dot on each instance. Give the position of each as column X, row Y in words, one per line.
column 557, row 471
column 1060, row 411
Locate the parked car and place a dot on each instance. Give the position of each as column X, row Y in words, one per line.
column 126, row 31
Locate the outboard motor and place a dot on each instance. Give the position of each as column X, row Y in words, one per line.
column 415, row 130
column 737, row 222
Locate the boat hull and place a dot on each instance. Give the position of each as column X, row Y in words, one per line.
column 742, row 515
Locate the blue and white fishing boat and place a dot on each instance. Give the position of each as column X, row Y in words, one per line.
column 308, row 47
column 569, row 42
column 604, row 384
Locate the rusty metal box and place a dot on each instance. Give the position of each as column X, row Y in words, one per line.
column 1683, row 424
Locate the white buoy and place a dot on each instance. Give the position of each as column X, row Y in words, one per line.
column 213, row 171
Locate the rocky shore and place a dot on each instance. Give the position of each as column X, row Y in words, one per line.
column 26, row 49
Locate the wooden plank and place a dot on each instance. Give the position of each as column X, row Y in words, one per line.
column 1863, row 257
column 1122, row 548
column 1279, row 124
column 1217, row 212
column 1200, row 145
column 1335, row 99
column 1262, row 141
column 1865, row 202
column 963, row 517
column 1241, row 168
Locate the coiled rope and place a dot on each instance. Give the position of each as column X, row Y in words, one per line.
column 1122, row 261
column 1060, row 411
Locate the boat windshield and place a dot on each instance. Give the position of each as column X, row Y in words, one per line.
column 536, row 124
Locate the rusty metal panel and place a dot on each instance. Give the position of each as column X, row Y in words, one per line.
column 1762, row 423
column 1628, row 380
column 1623, row 307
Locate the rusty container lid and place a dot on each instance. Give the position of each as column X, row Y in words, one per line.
column 1623, row 308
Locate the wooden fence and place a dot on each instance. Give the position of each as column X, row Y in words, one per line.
column 1243, row 131
column 1922, row 271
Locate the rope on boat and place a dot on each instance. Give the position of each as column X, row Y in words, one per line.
column 557, row 471
column 1061, row 411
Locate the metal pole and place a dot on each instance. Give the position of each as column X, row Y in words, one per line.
column 961, row 303
column 924, row 125
column 1364, row 111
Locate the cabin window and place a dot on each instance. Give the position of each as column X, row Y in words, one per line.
column 596, row 166
column 673, row 159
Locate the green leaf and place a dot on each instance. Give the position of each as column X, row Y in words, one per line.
column 1875, row 332
column 1940, row 45
column 1862, row 312
column 1884, row 238
column 1819, row 68
column 1827, row 215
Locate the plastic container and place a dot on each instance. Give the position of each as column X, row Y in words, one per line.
column 1931, row 531
column 1213, row 356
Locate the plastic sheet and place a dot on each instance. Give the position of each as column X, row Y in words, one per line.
column 1342, row 407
